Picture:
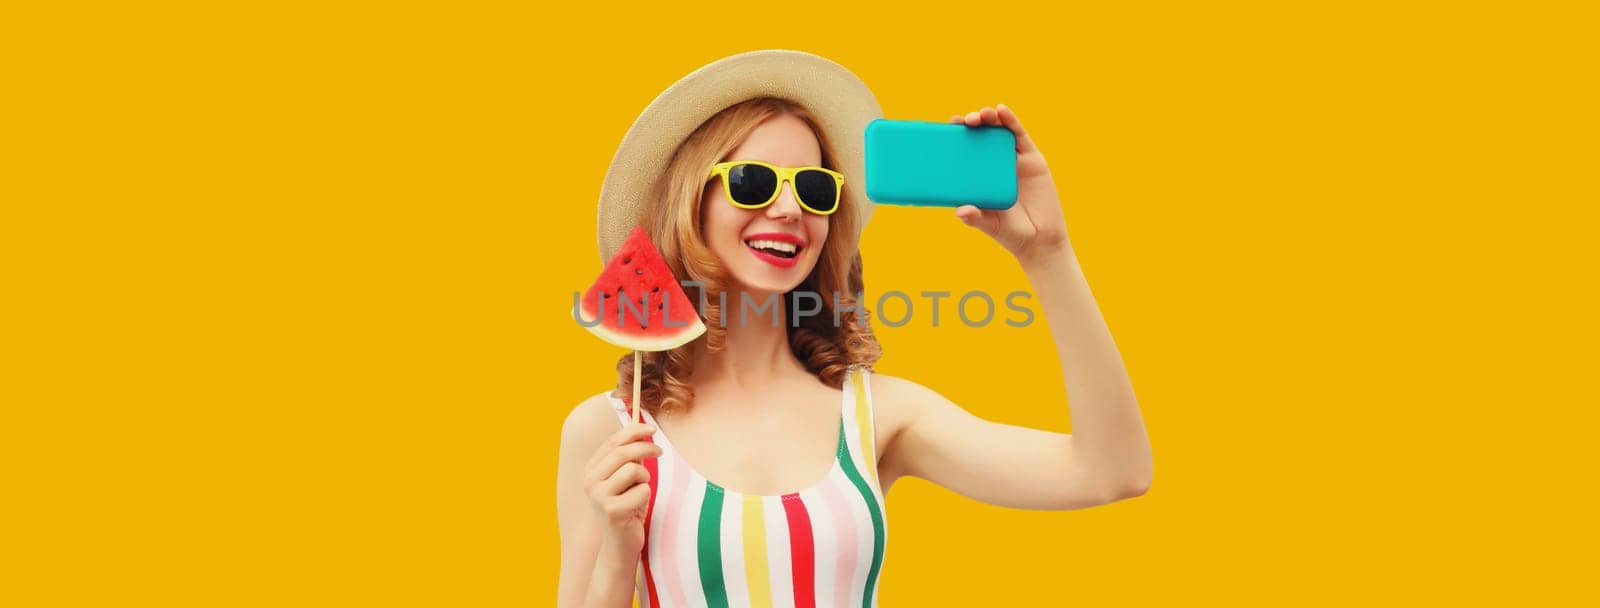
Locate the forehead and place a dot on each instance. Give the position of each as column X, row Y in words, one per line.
column 782, row 140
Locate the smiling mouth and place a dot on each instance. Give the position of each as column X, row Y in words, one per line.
column 774, row 248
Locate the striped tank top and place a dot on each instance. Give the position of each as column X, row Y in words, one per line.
column 706, row 545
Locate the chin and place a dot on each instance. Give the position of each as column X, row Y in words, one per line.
column 767, row 284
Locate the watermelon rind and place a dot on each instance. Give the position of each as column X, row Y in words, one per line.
column 651, row 334
column 682, row 336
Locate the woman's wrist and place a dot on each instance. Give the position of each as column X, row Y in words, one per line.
column 617, row 550
column 611, row 582
column 1046, row 260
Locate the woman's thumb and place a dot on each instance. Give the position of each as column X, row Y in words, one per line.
column 976, row 218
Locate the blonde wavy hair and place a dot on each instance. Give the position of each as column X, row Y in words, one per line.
column 673, row 222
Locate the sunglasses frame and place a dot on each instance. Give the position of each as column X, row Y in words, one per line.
column 785, row 174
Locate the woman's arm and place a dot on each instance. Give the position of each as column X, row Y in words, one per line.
column 1107, row 457
column 594, row 573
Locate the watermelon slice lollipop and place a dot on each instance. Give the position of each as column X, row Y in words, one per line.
column 637, row 274
column 638, row 304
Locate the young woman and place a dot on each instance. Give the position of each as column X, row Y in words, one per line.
column 759, row 475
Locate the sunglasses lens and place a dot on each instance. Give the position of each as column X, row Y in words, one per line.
column 817, row 189
column 751, row 184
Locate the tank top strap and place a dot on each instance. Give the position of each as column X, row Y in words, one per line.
column 624, row 411
column 860, row 429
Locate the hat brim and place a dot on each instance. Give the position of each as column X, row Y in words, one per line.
column 841, row 103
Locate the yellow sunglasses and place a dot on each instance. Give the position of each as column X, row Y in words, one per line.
column 752, row 184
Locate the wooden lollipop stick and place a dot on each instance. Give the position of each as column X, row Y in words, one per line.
column 637, row 417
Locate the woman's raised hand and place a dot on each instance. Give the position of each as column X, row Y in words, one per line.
column 1034, row 227
column 618, row 486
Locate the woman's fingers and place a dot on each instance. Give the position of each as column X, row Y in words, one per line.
column 636, row 497
column 1012, row 227
column 632, row 432
column 985, row 116
column 1010, row 120
column 999, row 115
column 629, row 433
column 972, row 216
column 619, row 457
column 626, row 477
column 967, row 214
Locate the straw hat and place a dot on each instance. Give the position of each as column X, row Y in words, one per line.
column 842, row 104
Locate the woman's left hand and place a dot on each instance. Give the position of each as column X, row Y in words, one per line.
column 1033, row 228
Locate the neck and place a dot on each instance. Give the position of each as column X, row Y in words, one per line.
column 755, row 353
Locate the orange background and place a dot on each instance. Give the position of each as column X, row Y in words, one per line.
column 287, row 292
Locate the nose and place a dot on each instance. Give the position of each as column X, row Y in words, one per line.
column 786, row 207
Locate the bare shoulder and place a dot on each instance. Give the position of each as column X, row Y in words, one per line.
column 897, row 388
column 589, row 423
column 896, row 400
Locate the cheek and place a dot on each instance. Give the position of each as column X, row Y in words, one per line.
column 715, row 219
column 722, row 224
column 817, row 230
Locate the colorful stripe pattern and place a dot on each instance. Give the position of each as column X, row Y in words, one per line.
column 706, row 545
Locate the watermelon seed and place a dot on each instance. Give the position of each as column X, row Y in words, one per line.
column 638, row 271
column 626, row 260
column 655, row 289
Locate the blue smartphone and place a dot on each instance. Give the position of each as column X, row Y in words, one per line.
column 934, row 164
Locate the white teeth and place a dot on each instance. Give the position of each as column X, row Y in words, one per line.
column 776, row 245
